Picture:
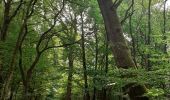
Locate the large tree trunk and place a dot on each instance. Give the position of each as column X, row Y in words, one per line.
column 119, row 46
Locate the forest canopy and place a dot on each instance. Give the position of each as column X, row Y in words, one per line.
column 84, row 50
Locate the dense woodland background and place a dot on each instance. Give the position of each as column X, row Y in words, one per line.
column 84, row 50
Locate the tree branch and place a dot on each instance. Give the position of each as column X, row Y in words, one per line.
column 117, row 3
column 127, row 14
column 64, row 45
column 16, row 10
column 52, row 26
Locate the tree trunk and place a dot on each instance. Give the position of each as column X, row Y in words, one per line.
column 3, row 33
column 148, row 62
column 96, row 61
column 6, row 20
column 70, row 75
column 132, row 37
column 164, row 28
column 86, row 91
column 118, row 44
column 105, row 90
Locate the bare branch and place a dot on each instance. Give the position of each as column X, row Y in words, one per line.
column 117, row 3
column 127, row 14
column 16, row 10
column 126, row 17
column 64, row 45
column 30, row 10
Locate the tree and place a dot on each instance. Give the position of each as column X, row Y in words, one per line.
column 148, row 62
column 120, row 49
column 86, row 91
column 114, row 31
column 65, row 49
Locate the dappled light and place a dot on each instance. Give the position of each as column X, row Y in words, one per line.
column 84, row 50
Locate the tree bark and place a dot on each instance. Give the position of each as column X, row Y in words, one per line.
column 118, row 44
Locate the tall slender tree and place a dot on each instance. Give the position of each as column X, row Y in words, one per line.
column 164, row 27
column 148, row 62
column 96, row 60
column 86, row 89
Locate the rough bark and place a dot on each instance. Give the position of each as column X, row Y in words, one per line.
column 118, row 44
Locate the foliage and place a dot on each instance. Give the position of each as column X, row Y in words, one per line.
column 49, row 80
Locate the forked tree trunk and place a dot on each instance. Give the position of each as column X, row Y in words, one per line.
column 119, row 46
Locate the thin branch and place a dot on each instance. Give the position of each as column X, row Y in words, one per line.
column 4, row 2
column 47, row 31
column 29, row 71
column 127, row 14
column 16, row 10
column 21, row 65
column 64, row 45
column 31, row 5
column 126, row 17
column 117, row 3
